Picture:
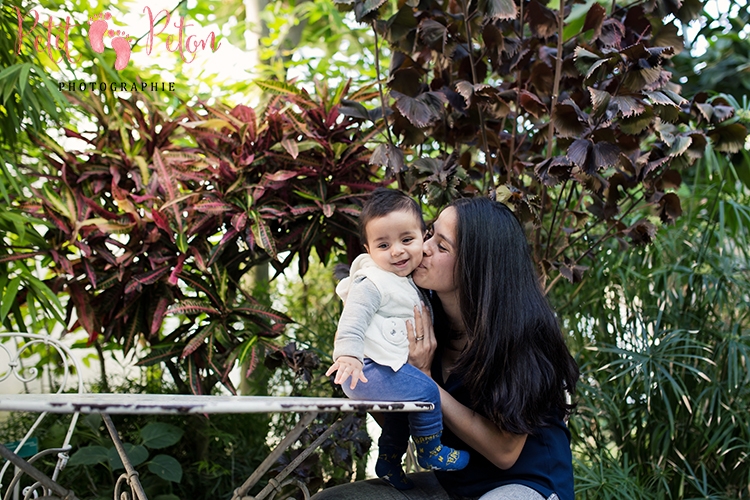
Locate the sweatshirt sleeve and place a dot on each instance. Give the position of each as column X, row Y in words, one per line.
column 360, row 306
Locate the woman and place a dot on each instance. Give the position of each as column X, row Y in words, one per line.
column 499, row 358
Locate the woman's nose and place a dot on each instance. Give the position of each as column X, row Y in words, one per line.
column 426, row 249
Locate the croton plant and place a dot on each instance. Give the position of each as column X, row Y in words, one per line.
column 160, row 216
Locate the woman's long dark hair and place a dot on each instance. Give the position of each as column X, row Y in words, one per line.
column 516, row 365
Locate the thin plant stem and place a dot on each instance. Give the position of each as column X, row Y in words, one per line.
column 630, row 209
column 380, row 85
column 514, row 122
column 551, row 124
column 485, row 143
column 562, row 220
column 399, row 177
column 554, row 216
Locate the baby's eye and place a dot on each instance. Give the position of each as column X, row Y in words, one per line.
column 407, row 240
column 383, row 246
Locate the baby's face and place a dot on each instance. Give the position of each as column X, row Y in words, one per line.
column 395, row 242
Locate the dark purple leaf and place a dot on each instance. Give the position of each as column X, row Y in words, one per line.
column 157, row 356
column 434, row 34
column 729, row 138
column 262, row 311
column 628, row 105
column 669, row 208
column 599, row 99
column 594, row 19
column 147, row 278
column 422, row 110
column 542, row 21
column 722, row 113
column 578, row 152
column 353, row 109
column 569, row 120
column 532, row 104
column 388, row 156
column 554, row 170
column 159, row 313
column 85, row 312
column 499, row 9
column 605, row 155
column 198, row 339
column 641, row 233
column 612, row 33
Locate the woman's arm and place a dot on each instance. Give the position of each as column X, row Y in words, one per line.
column 499, row 447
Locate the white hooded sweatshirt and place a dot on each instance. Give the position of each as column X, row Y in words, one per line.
column 377, row 304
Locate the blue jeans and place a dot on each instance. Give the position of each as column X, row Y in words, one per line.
column 406, row 384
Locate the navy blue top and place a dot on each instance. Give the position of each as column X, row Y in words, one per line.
column 545, row 463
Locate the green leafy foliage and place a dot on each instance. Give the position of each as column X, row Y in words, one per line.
column 663, row 336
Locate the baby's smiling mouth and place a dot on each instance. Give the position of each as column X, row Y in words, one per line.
column 401, row 263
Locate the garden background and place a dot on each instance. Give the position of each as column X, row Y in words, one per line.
column 194, row 234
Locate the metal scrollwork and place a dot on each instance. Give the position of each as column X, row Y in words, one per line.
column 17, row 345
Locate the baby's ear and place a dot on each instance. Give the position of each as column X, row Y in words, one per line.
column 367, row 249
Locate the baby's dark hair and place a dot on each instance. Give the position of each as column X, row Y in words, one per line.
column 384, row 201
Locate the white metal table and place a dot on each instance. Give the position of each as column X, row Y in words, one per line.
column 106, row 404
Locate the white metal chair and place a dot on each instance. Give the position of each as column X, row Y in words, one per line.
column 15, row 345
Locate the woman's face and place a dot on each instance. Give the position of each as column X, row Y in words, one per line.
column 437, row 270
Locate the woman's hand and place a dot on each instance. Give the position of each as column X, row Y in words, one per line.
column 422, row 343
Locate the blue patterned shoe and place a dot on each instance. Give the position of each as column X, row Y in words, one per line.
column 431, row 454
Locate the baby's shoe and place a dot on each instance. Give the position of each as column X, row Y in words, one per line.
column 431, row 454
column 388, row 468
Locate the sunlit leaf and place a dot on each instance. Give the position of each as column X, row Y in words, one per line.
column 499, row 9
column 594, row 19
column 729, row 138
column 388, row 156
column 628, row 105
column 189, row 306
column 599, row 99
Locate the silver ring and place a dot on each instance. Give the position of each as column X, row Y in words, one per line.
column 419, row 338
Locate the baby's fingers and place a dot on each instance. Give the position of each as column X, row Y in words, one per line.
column 357, row 376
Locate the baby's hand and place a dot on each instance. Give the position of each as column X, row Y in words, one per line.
column 346, row 366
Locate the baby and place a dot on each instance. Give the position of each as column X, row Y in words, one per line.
column 371, row 344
